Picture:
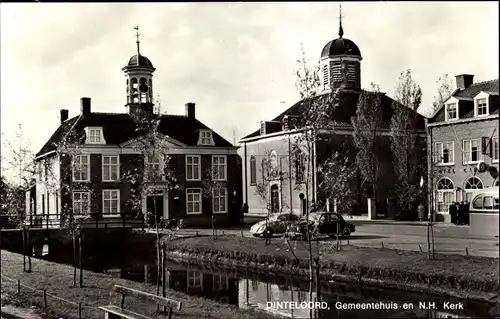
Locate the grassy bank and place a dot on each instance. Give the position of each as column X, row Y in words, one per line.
column 57, row 279
column 452, row 275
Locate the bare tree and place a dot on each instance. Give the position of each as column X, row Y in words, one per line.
column 405, row 143
column 152, row 172
column 445, row 88
column 366, row 124
column 271, row 171
column 214, row 185
column 18, row 170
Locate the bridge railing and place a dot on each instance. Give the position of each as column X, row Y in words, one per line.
column 54, row 221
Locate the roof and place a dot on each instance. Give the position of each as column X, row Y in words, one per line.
column 345, row 111
column 120, row 127
column 474, row 89
column 467, row 96
column 340, row 46
column 140, row 60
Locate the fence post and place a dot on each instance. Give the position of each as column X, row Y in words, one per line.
column 79, row 310
column 18, row 287
column 45, row 298
column 466, row 251
column 420, row 247
column 242, row 234
column 80, row 259
column 382, row 244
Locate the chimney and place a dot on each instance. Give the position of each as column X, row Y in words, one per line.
column 190, row 110
column 464, row 81
column 85, row 105
column 64, row 115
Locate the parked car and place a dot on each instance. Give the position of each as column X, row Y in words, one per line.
column 276, row 224
column 321, row 223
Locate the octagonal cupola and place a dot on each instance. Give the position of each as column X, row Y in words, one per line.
column 340, row 62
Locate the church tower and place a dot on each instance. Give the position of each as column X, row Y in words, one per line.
column 139, row 85
column 340, row 63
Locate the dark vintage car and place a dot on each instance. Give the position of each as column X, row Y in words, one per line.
column 321, row 223
column 276, row 224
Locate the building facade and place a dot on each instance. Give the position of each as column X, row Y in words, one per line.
column 277, row 140
column 463, row 139
column 106, row 167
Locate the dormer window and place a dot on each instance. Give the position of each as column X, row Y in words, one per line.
column 451, row 111
column 481, row 107
column 205, row 138
column 94, row 135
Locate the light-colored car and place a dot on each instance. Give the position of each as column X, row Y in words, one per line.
column 276, row 224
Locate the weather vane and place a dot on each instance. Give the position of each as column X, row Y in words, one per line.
column 341, row 31
column 137, row 34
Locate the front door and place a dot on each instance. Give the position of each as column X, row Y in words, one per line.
column 275, row 199
column 154, row 205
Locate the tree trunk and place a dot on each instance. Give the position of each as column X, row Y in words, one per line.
column 80, row 259
column 74, row 258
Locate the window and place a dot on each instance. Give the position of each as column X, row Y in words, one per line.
column 472, row 151
column 111, row 202
column 195, row 279
column 94, row 135
column 219, row 197
column 205, row 137
column 221, row 282
column 494, row 149
column 471, row 184
column 193, row 168
column 81, row 168
column 153, row 167
column 478, row 203
column 481, row 107
column 488, row 202
column 445, row 192
column 325, row 76
column 81, row 203
column 253, row 171
column 445, row 153
column 219, row 168
column 299, row 168
column 451, row 111
column 110, row 168
column 193, row 201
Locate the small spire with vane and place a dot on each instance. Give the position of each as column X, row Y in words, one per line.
column 341, row 31
column 137, row 34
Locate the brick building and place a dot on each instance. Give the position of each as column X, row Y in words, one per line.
column 463, row 135
column 340, row 67
column 107, row 151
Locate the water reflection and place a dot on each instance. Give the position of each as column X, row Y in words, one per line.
column 251, row 290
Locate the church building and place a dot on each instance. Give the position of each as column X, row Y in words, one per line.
column 340, row 63
column 94, row 167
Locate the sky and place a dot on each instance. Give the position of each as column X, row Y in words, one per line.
column 236, row 61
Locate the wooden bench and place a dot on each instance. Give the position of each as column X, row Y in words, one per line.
column 115, row 312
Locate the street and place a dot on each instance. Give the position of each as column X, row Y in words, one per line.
column 406, row 236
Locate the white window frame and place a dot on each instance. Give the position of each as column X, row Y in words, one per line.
column 447, row 118
column 206, row 138
column 73, row 165
column 218, row 171
column 111, row 191
column 158, row 165
column 81, row 201
column 214, row 195
column 440, row 152
column 90, row 136
column 469, row 151
column 197, row 277
column 198, row 166
column 479, row 97
column 109, row 167
column 495, row 144
column 470, row 191
column 442, row 192
column 193, row 191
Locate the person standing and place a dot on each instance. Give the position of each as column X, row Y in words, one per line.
column 421, row 211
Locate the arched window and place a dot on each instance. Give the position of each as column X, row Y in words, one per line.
column 253, row 171
column 274, row 159
column 445, row 194
column 472, row 184
column 135, row 91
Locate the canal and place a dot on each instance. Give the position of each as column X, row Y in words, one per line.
column 246, row 289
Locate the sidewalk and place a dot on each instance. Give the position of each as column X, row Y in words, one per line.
column 13, row 312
